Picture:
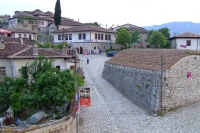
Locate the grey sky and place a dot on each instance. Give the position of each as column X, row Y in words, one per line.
column 136, row 12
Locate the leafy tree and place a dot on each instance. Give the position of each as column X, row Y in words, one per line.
column 93, row 24
column 157, row 39
column 6, row 90
column 165, row 32
column 135, row 35
column 118, row 30
column 57, row 14
column 149, row 33
column 123, row 37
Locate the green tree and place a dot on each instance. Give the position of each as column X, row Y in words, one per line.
column 93, row 24
column 118, row 30
column 123, row 37
column 165, row 31
column 157, row 39
column 6, row 90
column 57, row 14
column 149, row 33
column 135, row 36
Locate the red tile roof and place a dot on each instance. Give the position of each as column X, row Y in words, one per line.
column 70, row 22
column 186, row 35
column 85, row 28
column 21, row 30
column 18, row 40
column 149, row 58
column 21, row 51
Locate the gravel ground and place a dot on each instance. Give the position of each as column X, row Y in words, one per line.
column 111, row 112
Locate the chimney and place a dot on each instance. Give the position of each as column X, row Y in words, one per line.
column 174, row 33
column 35, row 49
column 2, row 46
column 64, row 50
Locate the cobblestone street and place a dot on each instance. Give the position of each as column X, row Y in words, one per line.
column 111, row 112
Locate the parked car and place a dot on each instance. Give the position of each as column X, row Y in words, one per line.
column 110, row 53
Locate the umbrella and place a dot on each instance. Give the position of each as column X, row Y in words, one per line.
column 2, row 31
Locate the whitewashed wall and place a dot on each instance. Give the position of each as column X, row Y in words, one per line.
column 195, row 43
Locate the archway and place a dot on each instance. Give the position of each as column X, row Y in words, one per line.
column 81, row 50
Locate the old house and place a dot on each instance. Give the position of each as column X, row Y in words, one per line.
column 86, row 37
column 157, row 80
column 185, row 41
column 14, row 55
column 131, row 28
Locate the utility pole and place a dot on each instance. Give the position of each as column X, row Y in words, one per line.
column 161, row 84
column 75, row 61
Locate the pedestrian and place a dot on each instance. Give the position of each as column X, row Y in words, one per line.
column 87, row 60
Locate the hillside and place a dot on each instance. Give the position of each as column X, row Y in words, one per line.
column 177, row 27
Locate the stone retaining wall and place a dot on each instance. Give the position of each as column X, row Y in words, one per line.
column 142, row 86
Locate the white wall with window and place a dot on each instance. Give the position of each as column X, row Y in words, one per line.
column 187, row 43
column 85, row 37
column 12, row 22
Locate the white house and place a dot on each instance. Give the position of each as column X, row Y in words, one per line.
column 143, row 33
column 186, row 40
column 14, row 55
column 23, row 33
column 86, row 37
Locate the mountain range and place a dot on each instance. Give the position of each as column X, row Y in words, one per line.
column 177, row 27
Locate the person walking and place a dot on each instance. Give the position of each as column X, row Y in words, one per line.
column 87, row 60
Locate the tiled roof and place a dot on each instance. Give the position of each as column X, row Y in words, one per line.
column 149, row 58
column 188, row 34
column 18, row 40
column 11, row 48
column 85, row 28
column 70, row 22
column 141, row 30
column 21, row 51
column 20, row 30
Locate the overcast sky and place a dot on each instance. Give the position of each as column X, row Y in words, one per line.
column 117, row 12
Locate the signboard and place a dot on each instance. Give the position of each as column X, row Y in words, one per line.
column 85, row 96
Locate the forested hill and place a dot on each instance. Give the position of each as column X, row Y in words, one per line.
column 177, row 27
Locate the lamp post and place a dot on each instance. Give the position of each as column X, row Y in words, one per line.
column 75, row 61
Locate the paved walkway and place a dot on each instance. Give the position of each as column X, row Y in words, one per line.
column 111, row 112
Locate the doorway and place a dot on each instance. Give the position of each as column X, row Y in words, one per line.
column 81, row 50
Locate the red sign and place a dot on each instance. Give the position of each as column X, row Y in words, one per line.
column 85, row 97
column 189, row 75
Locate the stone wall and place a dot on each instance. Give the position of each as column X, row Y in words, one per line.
column 142, row 86
column 178, row 89
column 139, row 85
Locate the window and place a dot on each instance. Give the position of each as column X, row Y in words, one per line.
column 24, row 35
column 66, row 36
column 62, row 36
column 84, row 36
column 101, row 36
column 106, row 37
column 95, row 36
column 70, row 36
column 59, row 37
column 98, row 36
column 58, row 67
column 141, row 37
column 79, row 36
column 42, row 22
column 109, row 37
column 19, row 35
column 188, row 42
column 2, row 70
column 30, row 37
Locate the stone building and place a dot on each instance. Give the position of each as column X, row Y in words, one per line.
column 137, row 74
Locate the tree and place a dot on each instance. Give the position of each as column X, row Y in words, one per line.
column 135, row 35
column 157, row 39
column 93, row 24
column 149, row 33
column 118, row 30
column 165, row 32
column 123, row 37
column 57, row 14
column 6, row 91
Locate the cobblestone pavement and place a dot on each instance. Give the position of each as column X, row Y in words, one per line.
column 111, row 112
